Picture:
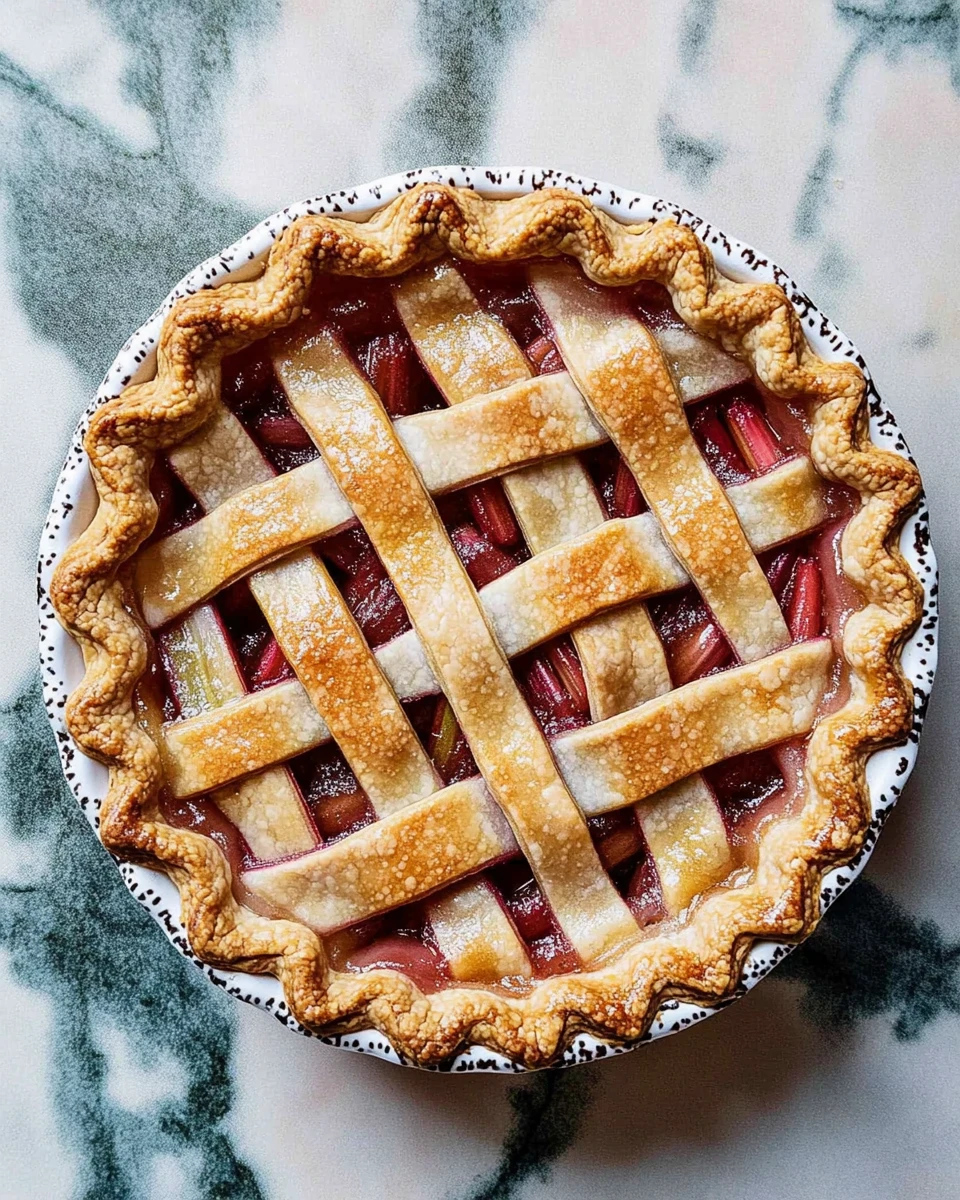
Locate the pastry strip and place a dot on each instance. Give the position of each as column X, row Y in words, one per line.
column 343, row 682
column 531, row 420
column 475, row 935
column 219, row 460
column 251, row 528
column 393, row 862
column 687, row 840
column 629, row 757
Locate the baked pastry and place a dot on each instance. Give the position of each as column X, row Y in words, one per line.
column 487, row 617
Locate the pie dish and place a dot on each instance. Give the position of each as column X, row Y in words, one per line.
column 488, row 615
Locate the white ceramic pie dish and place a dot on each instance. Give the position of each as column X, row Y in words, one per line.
column 74, row 501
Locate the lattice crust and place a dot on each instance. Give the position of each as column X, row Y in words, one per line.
column 586, row 576
column 606, row 766
column 268, row 807
column 344, row 415
column 272, row 518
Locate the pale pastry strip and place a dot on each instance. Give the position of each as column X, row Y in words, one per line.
column 781, row 504
column 475, row 935
column 204, row 669
column 392, row 862
column 687, row 839
column 365, row 456
column 460, row 830
column 404, row 662
column 699, row 365
column 620, row 663
column 623, row 376
column 618, row 561
column 343, row 681
column 267, row 808
column 552, row 501
column 627, row 758
column 530, row 420
column 250, row 529
column 219, row 460
column 521, row 617
column 467, row 351
column 253, row 732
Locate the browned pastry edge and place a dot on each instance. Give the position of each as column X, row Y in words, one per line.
column 699, row 961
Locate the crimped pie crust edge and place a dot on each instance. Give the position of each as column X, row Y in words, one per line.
column 700, row 961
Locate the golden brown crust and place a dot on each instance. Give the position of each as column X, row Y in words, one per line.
column 701, row 959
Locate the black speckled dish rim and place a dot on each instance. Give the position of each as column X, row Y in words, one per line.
column 74, row 502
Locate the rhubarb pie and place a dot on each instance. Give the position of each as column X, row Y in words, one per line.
column 488, row 614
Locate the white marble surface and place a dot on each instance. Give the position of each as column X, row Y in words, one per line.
column 134, row 141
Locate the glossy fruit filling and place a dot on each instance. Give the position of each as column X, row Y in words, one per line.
column 743, row 433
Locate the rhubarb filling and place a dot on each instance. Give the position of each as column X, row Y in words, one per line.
column 743, row 434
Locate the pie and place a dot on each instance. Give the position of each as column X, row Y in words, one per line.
column 487, row 617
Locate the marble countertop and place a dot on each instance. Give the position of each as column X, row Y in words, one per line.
column 138, row 136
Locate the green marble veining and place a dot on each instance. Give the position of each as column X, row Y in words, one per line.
column 114, row 206
column 871, row 958
column 893, row 29
column 466, row 50
column 697, row 21
column 74, row 934
column 691, row 157
column 111, row 207
column 547, row 1115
